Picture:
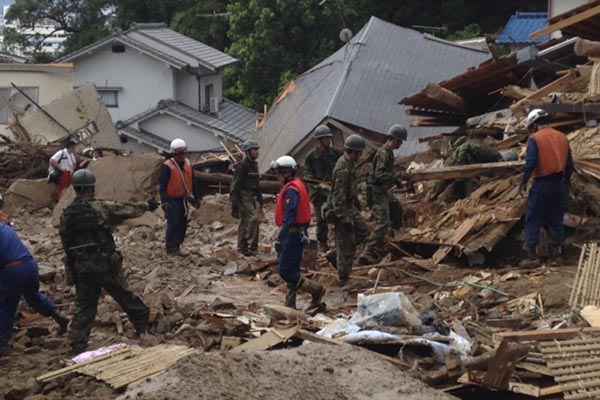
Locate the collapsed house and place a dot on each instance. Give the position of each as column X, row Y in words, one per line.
column 357, row 88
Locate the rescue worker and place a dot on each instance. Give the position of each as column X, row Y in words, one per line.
column 380, row 198
column 4, row 218
column 550, row 162
column 342, row 208
column 319, row 166
column 92, row 260
column 176, row 193
column 292, row 215
column 62, row 166
column 19, row 278
column 246, row 199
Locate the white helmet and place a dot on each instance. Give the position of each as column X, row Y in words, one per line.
column 284, row 162
column 178, row 144
column 535, row 115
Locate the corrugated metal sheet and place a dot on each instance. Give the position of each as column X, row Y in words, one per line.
column 521, row 25
column 362, row 83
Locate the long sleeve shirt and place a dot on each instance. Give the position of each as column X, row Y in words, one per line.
column 11, row 247
column 532, row 158
column 163, row 181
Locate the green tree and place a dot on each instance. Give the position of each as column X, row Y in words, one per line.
column 206, row 21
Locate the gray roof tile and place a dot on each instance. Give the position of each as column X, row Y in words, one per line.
column 362, row 83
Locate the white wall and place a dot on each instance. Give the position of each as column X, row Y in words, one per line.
column 217, row 81
column 557, row 7
column 186, row 89
column 169, row 128
column 143, row 79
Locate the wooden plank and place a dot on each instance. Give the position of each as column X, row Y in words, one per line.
column 211, row 178
column 447, row 97
column 519, row 106
column 592, row 315
column 462, row 231
column 268, row 340
column 551, row 391
column 535, row 368
column 501, row 368
column 524, row 388
column 73, row 368
column 545, row 334
column 565, row 23
column 465, row 171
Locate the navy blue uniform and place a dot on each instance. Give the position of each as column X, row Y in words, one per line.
column 547, row 201
column 290, row 239
column 18, row 277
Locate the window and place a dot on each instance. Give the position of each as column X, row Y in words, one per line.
column 208, row 94
column 10, row 97
column 110, row 98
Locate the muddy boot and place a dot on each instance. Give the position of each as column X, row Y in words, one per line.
column 532, row 260
column 62, row 322
column 332, row 258
column 316, row 291
column 290, row 298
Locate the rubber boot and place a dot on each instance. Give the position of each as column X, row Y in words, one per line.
column 316, row 291
column 62, row 322
column 532, row 260
column 290, row 298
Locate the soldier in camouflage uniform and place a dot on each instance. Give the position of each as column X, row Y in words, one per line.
column 343, row 207
column 319, row 166
column 246, row 199
column 380, row 198
column 92, row 260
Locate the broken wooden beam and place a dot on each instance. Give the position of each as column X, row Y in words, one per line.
column 546, row 334
column 567, row 22
column 587, row 48
column 520, row 106
column 445, row 96
column 214, row 178
column 465, row 171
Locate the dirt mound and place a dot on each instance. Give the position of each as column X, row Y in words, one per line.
column 310, row 372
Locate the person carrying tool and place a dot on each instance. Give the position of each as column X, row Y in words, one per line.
column 246, row 199
column 318, row 166
column 176, row 190
column 19, row 277
column 550, row 162
column 343, row 208
column 92, row 260
column 382, row 201
column 62, row 166
column 292, row 215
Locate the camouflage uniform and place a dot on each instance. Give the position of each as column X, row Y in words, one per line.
column 93, row 263
column 350, row 229
column 319, row 165
column 383, row 203
column 246, row 196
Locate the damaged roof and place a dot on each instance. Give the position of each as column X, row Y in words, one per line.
column 233, row 121
column 157, row 41
column 361, row 85
column 521, row 25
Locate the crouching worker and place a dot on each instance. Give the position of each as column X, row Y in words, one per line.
column 19, row 277
column 293, row 214
column 93, row 262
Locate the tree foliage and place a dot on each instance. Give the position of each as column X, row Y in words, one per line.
column 275, row 40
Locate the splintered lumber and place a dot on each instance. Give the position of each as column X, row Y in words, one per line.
column 462, row 231
column 587, row 48
column 465, row 171
column 567, row 22
column 268, row 340
column 210, row 178
column 474, row 363
column 445, row 96
column 586, row 288
column 501, row 368
column 519, row 107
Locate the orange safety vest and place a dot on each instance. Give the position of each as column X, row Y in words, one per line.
column 304, row 213
column 180, row 183
column 553, row 152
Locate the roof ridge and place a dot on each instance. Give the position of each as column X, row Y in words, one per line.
column 433, row 38
column 350, row 46
column 148, row 25
column 200, row 61
column 239, row 105
column 538, row 14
